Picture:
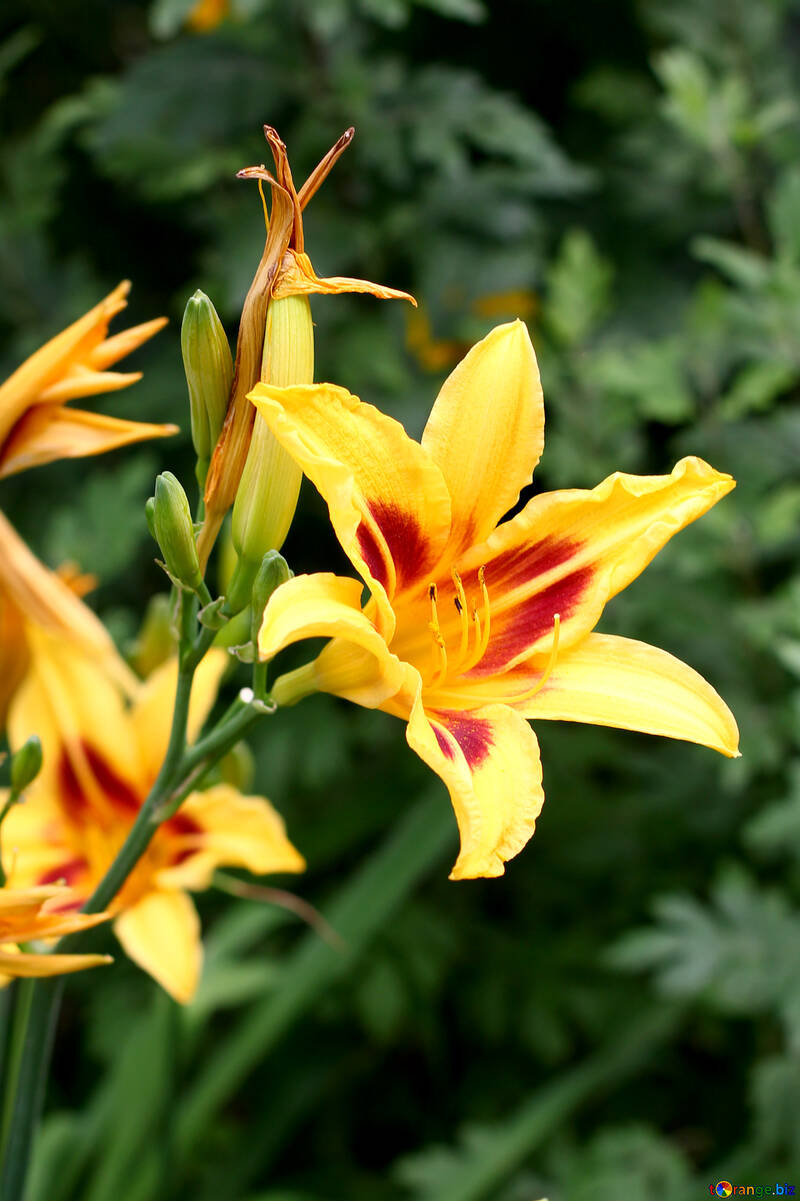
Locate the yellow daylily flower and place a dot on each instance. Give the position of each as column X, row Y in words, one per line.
column 28, row 914
column 35, row 425
column 100, row 760
column 471, row 626
column 284, row 270
column 32, row 595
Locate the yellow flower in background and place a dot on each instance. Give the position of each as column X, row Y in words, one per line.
column 473, row 626
column 29, row 914
column 284, row 270
column 35, row 425
column 100, row 761
column 32, row 595
column 206, row 15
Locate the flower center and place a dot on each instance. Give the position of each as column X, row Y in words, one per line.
column 473, row 638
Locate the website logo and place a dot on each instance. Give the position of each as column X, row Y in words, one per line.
column 724, row 1188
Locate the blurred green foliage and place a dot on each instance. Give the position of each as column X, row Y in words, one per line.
column 619, row 1016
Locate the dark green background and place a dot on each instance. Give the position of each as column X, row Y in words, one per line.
column 619, row 1016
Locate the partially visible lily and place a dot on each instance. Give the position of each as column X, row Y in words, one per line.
column 473, row 626
column 285, row 270
column 35, row 425
column 100, row 761
column 30, row 914
column 32, row 595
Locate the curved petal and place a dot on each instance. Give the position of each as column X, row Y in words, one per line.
column 42, row 368
column 152, row 710
column 388, row 501
column 33, row 966
column 80, row 716
column 49, row 432
column 161, row 933
column 612, row 681
column 43, row 599
column 230, row 830
column 486, row 432
column 489, row 760
column 569, row 552
column 357, row 665
column 298, row 277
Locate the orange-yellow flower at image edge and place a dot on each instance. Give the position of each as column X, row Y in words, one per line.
column 472, row 627
column 35, row 425
column 29, row 914
column 101, row 758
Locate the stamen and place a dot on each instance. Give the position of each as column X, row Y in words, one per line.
column 545, row 676
column 441, row 669
column 482, row 627
column 463, row 613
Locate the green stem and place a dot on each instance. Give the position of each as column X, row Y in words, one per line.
column 21, row 1006
column 31, row 1078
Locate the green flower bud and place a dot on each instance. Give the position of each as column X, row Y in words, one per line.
column 26, row 764
column 209, row 374
column 175, row 531
column 155, row 642
column 238, row 767
column 270, row 483
column 273, row 572
column 149, row 516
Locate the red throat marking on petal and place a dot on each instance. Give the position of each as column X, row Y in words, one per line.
column 520, row 627
column 118, row 791
column 517, row 566
column 473, row 735
column 405, row 540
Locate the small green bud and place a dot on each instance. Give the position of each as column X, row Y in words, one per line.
column 155, row 642
column 26, row 764
column 175, row 531
column 149, row 516
column 209, row 372
column 273, row 572
column 238, row 767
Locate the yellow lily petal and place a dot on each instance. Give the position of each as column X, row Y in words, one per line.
column 23, row 964
column 388, row 500
column 161, row 933
column 233, row 831
column 151, row 714
column 612, row 681
column 79, row 714
column 298, row 278
column 569, row 552
column 356, row 665
column 25, row 386
column 489, row 760
column 49, row 432
column 42, row 599
column 486, row 432
column 124, row 343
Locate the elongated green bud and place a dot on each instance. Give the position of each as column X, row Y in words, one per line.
column 155, row 642
column 209, row 374
column 150, row 516
column 273, row 572
column 270, row 483
column 26, row 764
column 175, row 532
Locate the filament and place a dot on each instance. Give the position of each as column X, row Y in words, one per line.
column 545, row 676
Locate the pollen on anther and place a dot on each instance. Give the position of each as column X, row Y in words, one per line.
column 458, row 605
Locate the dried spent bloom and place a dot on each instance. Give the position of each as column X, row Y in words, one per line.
column 473, row 626
column 100, row 761
column 30, row 914
column 35, row 425
column 284, row 270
